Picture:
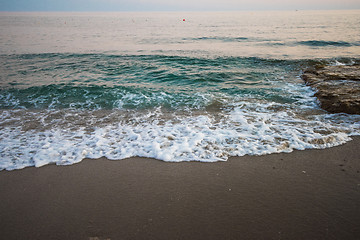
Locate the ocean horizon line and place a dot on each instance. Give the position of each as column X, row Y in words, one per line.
column 179, row 11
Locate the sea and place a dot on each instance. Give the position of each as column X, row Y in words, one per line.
column 174, row 86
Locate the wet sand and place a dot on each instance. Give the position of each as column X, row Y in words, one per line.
column 312, row 194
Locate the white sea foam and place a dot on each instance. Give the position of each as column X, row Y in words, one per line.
column 249, row 128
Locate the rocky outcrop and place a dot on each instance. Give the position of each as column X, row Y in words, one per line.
column 338, row 87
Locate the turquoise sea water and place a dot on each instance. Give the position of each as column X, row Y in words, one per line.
column 87, row 85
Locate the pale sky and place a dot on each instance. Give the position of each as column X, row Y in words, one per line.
column 175, row 5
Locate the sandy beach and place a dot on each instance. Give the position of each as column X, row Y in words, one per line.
column 312, row 194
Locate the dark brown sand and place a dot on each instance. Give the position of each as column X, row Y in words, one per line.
column 312, row 194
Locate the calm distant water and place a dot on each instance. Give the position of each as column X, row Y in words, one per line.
column 171, row 86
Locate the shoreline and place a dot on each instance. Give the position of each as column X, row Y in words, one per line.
column 309, row 194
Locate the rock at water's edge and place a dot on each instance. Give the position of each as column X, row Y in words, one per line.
column 338, row 87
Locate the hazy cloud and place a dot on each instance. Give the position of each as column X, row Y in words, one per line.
column 174, row 5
